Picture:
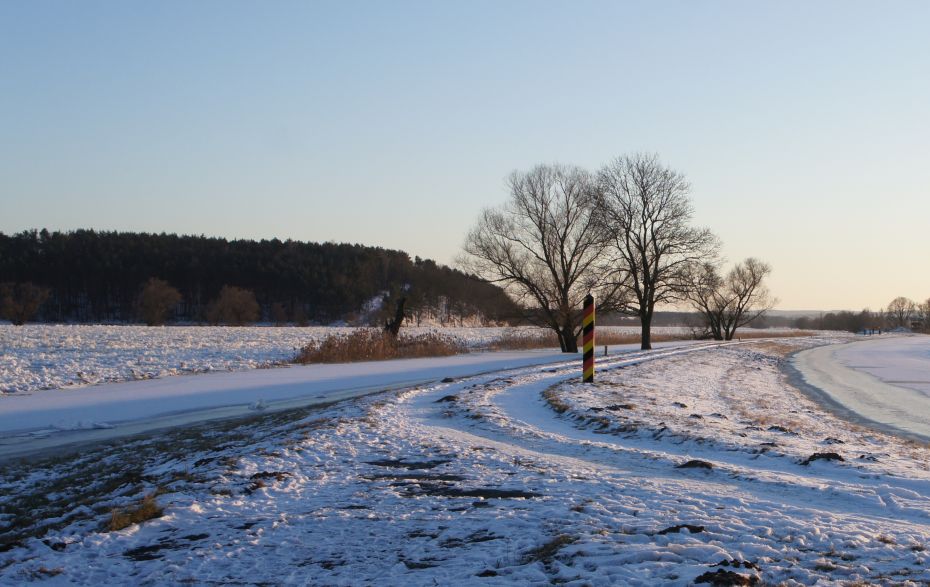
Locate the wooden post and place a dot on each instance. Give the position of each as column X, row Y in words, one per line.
column 587, row 323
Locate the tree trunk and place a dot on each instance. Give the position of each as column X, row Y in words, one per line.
column 646, row 332
column 393, row 326
column 569, row 340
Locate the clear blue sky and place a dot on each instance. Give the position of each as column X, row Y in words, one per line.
column 804, row 127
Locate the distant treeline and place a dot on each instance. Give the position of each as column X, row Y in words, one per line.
column 91, row 276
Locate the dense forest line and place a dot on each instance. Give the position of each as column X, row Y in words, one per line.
column 96, row 276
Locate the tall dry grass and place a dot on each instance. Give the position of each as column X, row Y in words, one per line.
column 372, row 344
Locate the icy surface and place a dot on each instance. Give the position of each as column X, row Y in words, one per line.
column 884, row 379
column 521, row 477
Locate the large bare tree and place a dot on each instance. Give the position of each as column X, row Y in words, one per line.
column 900, row 311
column 645, row 208
column 729, row 302
column 544, row 247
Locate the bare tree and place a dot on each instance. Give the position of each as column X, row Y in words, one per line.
column 645, row 208
column 157, row 301
column 19, row 302
column 900, row 311
column 544, row 247
column 235, row 306
column 923, row 315
column 727, row 303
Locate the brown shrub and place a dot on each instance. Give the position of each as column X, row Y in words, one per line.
column 234, row 306
column 157, row 300
column 278, row 314
column 371, row 344
column 19, row 302
column 146, row 510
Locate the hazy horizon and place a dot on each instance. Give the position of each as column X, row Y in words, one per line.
column 802, row 127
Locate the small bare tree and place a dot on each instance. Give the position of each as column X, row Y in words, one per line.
column 234, row 306
column 545, row 248
column 644, row 207
column 727, row 303
column 923, row 315
column 19, row 302
column 900, row 311
column 157, row 300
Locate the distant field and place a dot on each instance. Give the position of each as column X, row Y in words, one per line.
column 58, row 356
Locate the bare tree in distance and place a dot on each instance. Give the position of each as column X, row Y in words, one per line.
column 19, row 302
column 545, row 248
column 923, row 315
column 900, row 311
column 732, row 301
column 645, row 208
column 235, row 306
column 157, row 301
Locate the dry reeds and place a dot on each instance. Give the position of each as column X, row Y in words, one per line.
column 147, row 509
column 372, row 344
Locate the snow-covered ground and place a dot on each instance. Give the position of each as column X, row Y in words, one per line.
column 36, row 357
column 677, row 465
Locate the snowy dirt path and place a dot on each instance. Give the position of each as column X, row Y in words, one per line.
column 519, row 477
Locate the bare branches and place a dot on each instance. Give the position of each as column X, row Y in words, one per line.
column 900, row 312
column 624, row 235
column 544, row 247
column 730, row 302
column 645, row 210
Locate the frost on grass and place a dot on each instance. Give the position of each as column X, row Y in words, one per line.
column 494, row 487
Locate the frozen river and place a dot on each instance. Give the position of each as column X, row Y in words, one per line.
column 882, row 379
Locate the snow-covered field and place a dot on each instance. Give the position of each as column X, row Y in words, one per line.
column 53, row 357
column 677, row 466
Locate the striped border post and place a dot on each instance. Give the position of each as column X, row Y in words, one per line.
column 587, row 322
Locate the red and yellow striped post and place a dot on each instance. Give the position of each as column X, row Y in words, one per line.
column 587, row 323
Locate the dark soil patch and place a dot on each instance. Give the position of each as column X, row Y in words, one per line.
column 399, row 464
column 822, row 456
column 415, row 477
column 737, row 564
column 723, row 578
column 426, row 488
column 546, row 552
column 447, row 398
column 485, row 493
column 695, row 464
column 193, row 537
column 781, row 429
column 679, row 527
column 276, row 475
column 150, row 552
column 617, row 407
column 412, row 565
column 479, row 536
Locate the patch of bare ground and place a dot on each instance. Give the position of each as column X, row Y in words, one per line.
column 87, row 484
column 147, row 509
column 544, row 553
